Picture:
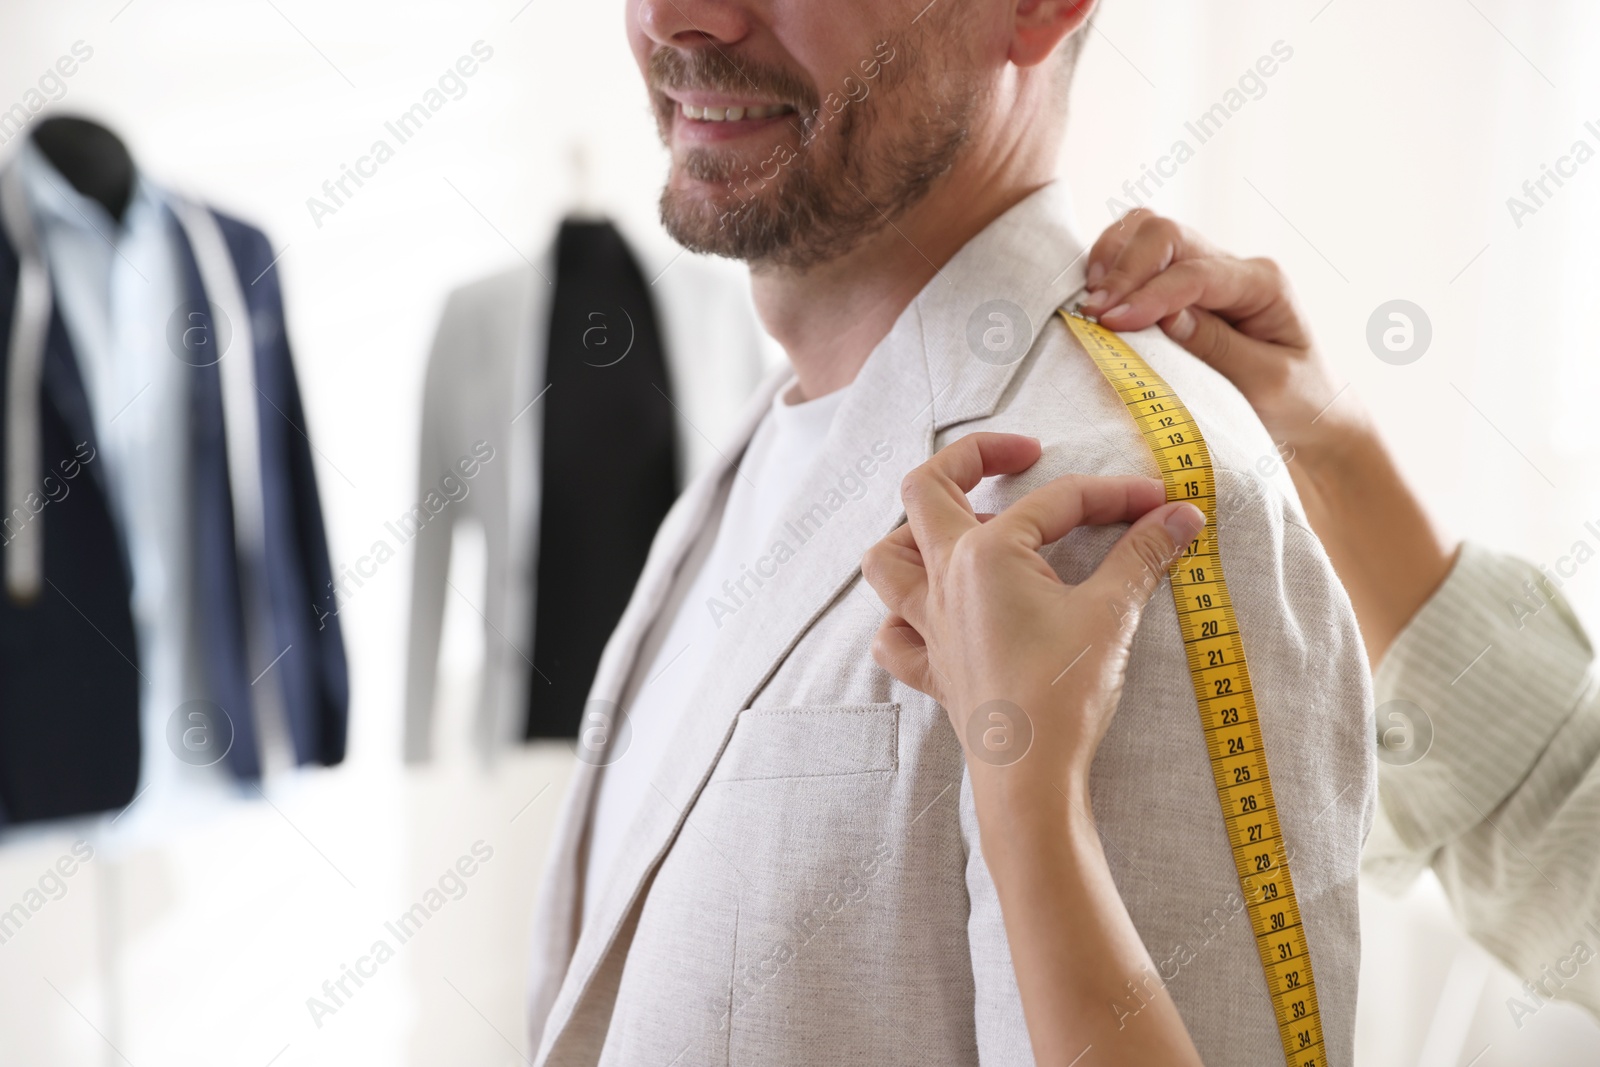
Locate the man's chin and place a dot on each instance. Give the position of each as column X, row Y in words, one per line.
column 706, row 219
column 796, row 221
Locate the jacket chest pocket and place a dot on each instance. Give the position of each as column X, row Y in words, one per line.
column 811, row 741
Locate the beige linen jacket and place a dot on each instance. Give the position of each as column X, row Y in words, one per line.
column 806, row 886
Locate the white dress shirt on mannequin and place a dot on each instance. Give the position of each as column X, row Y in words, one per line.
column 116, row 285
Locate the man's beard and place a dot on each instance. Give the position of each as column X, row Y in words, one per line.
column 847, row 179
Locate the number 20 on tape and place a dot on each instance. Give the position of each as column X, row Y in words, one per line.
column 1222, row 688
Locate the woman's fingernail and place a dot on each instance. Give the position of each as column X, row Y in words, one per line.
column 1182, row 327
column 1096, row 272
column 1120, row 309
column 1183, row 522
column 1096, row 298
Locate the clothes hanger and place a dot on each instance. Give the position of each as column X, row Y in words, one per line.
column 91, row 157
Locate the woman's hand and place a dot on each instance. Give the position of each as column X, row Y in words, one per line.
column 1236, row 314
column 1029, row 670
column 1025, row 665
column 1239, row 316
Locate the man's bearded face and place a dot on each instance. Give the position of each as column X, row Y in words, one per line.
column 781, row 166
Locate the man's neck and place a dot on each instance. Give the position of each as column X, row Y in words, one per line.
column 829, row 318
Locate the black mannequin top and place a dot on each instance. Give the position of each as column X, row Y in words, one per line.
column 91, row 157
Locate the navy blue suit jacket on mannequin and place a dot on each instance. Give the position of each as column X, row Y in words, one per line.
column 69, row 681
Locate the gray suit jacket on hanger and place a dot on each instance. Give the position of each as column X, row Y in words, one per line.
column 484, row 375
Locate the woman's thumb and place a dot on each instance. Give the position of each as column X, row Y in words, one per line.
column 1132, row 571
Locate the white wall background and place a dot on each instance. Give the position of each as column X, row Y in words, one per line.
column 1376, row 166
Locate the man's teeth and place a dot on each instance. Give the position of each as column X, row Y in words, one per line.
column 732, row 114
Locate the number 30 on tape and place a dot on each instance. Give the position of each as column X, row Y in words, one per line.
column 1222, row 688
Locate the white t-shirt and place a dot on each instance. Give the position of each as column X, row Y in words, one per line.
column 781, row 452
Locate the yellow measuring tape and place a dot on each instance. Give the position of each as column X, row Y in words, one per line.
column 1222, row 687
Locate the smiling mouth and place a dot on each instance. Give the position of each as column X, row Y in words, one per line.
column 733, row 114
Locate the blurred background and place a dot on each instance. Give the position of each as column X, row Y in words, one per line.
column 1375, row 164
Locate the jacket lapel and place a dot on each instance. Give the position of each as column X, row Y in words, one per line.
column 219, row 597
column 513, row 332
column 922, row 378
column 558, row 918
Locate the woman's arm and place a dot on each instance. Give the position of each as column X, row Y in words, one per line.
column 1240, row 316
column 977, row 620
column 1499, row 789
column 1488, row 698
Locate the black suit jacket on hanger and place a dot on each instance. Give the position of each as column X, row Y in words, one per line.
column 69, row 684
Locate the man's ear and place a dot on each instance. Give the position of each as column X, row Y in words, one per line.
column 1041, row 25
